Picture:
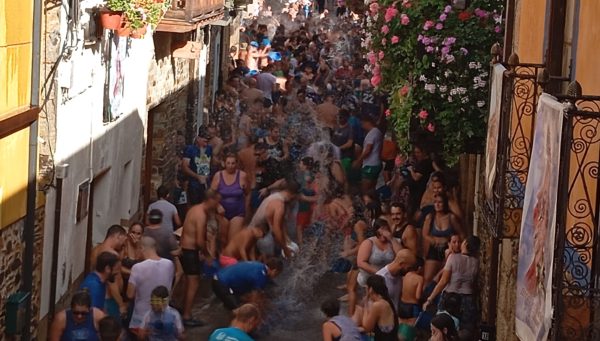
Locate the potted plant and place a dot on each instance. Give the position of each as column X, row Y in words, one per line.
column 111, row 15
column 141, row 14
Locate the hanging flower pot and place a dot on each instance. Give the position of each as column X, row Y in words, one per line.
column 124, row 30
column 138, row 33
column 111, row 20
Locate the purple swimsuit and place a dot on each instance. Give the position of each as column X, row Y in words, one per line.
column 232, row 197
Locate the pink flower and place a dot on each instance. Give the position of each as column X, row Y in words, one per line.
column 388, row 113
column 428, row 24
column 426, row 41
column 448, row 9
column 383, row 41
column 445, row 50
column 464, row 51
column 497, row 29
column 431, row 127
column 404, row 19
column 406, row 3
column 481, row 13
column 395, row 40
column 439, row 26
column 404, row 90
column 385, row 29
column 374, row 8
column 429, row 49
column 372, row 58
column 443, row 17
column 423, row 114
column 390, row 13
column 377, row 70
column 381, row 55
column 375, row 80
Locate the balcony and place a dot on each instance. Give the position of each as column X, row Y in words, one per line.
column 187, row 15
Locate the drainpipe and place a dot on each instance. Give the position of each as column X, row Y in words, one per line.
column 55, row 247
column 29, row 231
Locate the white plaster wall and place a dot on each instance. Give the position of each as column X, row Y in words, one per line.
column 90, row 147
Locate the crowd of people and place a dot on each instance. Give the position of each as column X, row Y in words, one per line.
column 297, row 140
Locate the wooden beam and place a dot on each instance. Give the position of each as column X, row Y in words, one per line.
column 18, row 120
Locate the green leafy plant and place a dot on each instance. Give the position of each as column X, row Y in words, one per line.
column 117, row 5
column 142, row 13
column 438, row 56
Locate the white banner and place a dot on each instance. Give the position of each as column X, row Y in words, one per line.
column 536, row 244
column 491, row 152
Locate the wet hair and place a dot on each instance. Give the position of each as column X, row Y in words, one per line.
column 160, row 291
column 309, row 162
column 444, row 321
column 274, row 264
column 377, row 284
column 445, row 204
column 398, row 205
column 139, row 223
column 247, row 313
column 109, row 329
column 367, row 118
column 292, row 186
column 374, row 209
column 379, row 223
column 155, row 216
column 105, row 259
column 231, row 155
column 81, row 298
column 162, row 191
column 115, row 230
column 344, row 114
column 331, row 307
column 473, row 245
column 211, row 194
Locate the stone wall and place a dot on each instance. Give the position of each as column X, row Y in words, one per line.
column 11, row 267
column 169, row 117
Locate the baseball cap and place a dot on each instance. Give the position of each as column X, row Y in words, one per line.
column 255, row 44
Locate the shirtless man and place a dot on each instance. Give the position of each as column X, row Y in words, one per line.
column 253, row 54
column 270, row 215
column 116, row 236
column 327, row 112
column 412, row 289
column 242, row 246
column 194, row 245
column 402, row 230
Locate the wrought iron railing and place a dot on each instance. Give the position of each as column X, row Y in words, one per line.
column 577, row 258
column 520, row 92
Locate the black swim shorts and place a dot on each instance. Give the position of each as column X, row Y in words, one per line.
column 190, row 262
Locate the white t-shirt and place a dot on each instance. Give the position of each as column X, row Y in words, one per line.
column 265, row 82
column 393, row 284
column 375, row 138
column 146, row 276
column 168, row 210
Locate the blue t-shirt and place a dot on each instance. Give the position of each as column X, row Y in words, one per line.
column 229, row 334
column 199, row 161
column 96, row 288
column 244, row 277
column 164, row 326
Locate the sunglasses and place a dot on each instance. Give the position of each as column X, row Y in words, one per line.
column 80, row 313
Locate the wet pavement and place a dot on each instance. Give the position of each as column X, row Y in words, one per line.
column 300, row 322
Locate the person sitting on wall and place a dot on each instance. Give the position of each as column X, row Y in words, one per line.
column 80, row 322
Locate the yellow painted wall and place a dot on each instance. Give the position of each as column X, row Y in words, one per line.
column 14, row 154
column 588, row 60
column 529, row 30
column 16, row 27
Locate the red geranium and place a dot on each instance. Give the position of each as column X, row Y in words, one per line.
column 464, row 15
